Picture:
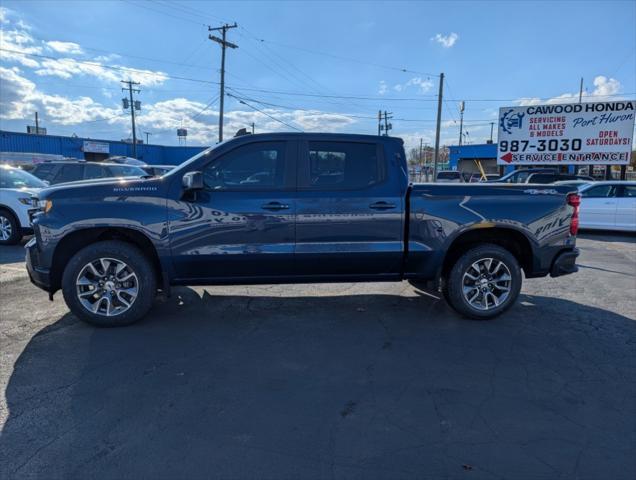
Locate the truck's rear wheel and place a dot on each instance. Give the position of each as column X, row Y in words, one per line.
column 109, row 283
column 484, row 282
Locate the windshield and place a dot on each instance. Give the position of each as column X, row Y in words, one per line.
column 126, row 171
column 16, row 178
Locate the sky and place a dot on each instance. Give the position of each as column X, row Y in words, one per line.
column 311, row 66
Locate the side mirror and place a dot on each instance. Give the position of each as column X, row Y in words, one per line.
column 192, row 181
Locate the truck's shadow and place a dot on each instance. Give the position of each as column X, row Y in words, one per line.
column 358, row 386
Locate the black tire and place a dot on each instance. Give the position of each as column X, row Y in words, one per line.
column 16, row 231
column 455, row 282
column 135, row 260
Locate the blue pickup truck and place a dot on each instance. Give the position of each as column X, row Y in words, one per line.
column 296, row 208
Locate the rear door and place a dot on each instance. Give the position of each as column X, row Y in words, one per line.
column 626, row 208
column 598, row 207
column 349, row 211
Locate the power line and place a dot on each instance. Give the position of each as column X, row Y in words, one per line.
column 128, row 70
column 208, row 105
column 264, row 113
column 300, row 94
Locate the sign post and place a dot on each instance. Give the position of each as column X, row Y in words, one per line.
column 597, row 133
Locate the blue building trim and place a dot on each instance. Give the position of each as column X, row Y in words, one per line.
column 72, row 147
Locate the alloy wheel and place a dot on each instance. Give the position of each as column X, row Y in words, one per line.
column 486, row 284
column 6, row 230
column 107, row 286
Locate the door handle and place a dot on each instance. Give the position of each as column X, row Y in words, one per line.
column 274, row 206
column 382, row 205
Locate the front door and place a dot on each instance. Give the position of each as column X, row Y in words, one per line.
column 241, row 225
column 349, row 211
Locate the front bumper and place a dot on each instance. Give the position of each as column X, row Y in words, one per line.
column 39, row 276
column 565, row 263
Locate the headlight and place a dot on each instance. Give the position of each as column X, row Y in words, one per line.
column 45, row 205
column 25, row 201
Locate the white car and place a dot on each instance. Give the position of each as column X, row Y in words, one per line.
column 16, row 188
column 609, row 205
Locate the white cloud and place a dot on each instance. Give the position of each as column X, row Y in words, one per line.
column 383, row 87
column 70, row 67
column 604, row 89
column 446, row 41
column 20, row 98
column 17, row 44
column 423, row 85
column 65, row 47
column 4, row 15
column 13, row 42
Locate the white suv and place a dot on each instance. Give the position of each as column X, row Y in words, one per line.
column 16, row 188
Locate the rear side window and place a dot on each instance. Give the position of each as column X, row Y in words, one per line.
column 629, row 191
column 343, row 165
column 68, row 173
column 94, row 171
column 543, row 178
column 600, row 191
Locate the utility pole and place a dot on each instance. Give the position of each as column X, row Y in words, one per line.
column 581, row 90
column 224, row 44
column 147, row 134
column 252, row 128
column 379, row 122
column 461, row 121
column 37, row 124
column 133, row 105
column 387, row 126
column 420, row 159
column 492, row 125
column 439, row 124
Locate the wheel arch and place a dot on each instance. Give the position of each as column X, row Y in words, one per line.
column 513, row 240
column 10, row 210
column 75, row 241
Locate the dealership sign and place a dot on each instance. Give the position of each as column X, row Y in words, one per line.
column 569, row 134
column 95, row 147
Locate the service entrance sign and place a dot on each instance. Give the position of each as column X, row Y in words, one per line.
column 597, row 133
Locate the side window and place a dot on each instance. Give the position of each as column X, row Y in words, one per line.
column 343, row 165
column 542, row 178
column 43, row 171
column 629, row 191
column 69, row 173
column 253, row 166
column 600, row 191
column 94, row 171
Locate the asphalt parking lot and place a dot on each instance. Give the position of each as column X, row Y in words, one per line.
column 327, row 381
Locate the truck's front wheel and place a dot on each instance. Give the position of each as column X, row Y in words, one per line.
column 109, row 283
column 484, row 282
